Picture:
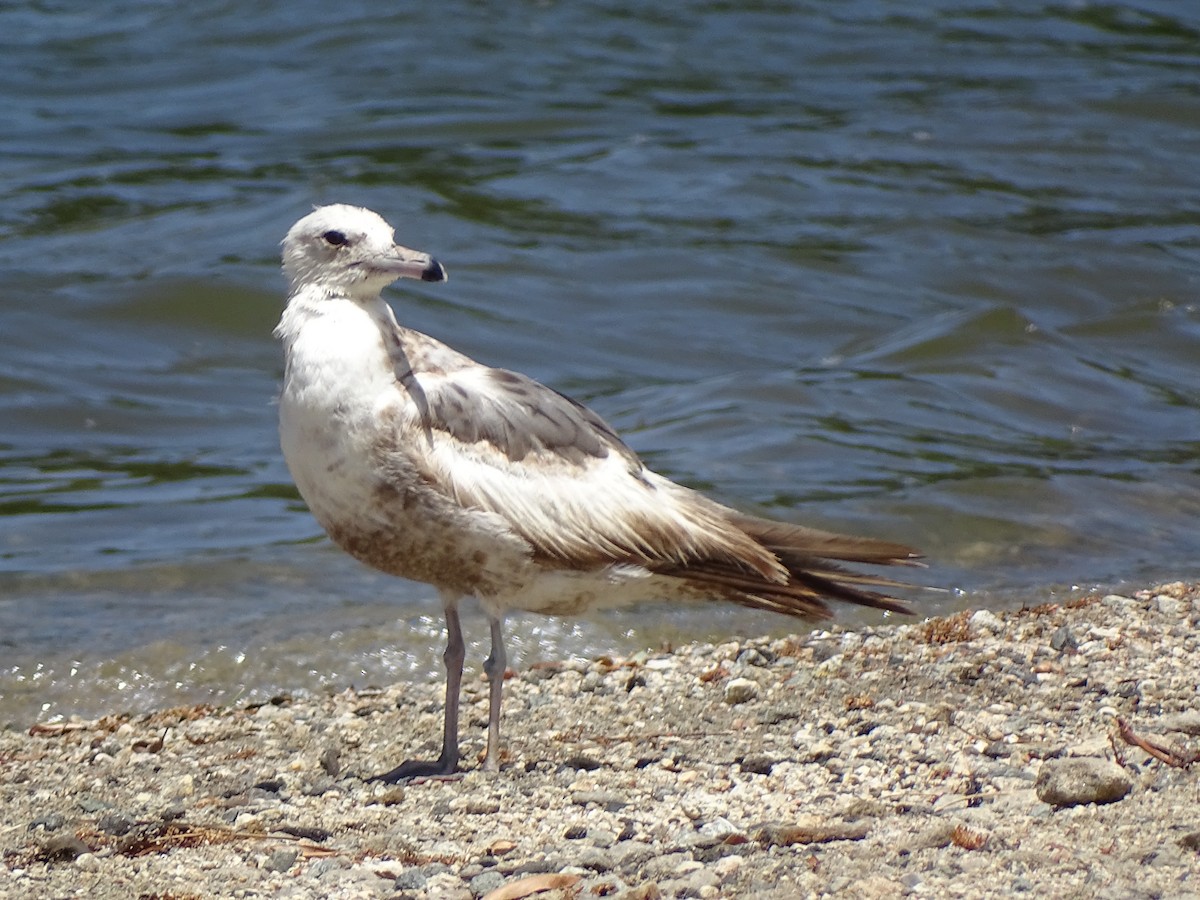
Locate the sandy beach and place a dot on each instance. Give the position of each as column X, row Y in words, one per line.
column 1046, row 751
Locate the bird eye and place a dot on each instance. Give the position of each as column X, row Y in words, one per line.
column 335, row 238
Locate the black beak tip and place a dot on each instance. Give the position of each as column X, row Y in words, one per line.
column 434, row 272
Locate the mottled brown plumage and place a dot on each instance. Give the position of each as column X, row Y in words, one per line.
column 425, row 464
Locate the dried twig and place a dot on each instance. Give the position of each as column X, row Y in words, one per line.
column 1169, row 755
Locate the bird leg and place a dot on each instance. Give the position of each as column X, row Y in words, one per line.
column 494, row 667
column 445, row 764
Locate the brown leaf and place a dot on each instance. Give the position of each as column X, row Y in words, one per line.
column 531, row 884
column 501, row 846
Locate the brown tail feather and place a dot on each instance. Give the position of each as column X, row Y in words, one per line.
column 813, row 578
column 782, row 538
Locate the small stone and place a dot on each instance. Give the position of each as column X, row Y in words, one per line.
column 410, row 880
column 720, row 827
column 1063, row 640
column 582, row 761
column 1076, row 780
column 740, row 690
column 281, row 860
column 758, row 763
column 485, row 882
column 481, row 807
column 985, row 620
column 811, row 829
column 998, row 749
column 48, row 822
column 115, row 823
column 751, row 656
column 608, row 801
column 331, row 761
column 601, row 837
column 727, row 867
column 1187, row 722
column 1169, row 606
column 447, row 886
column 876, row 887
column 593, row 858
column 647, row 890
column 319, row 868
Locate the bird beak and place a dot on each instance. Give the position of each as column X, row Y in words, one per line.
column 404, row 263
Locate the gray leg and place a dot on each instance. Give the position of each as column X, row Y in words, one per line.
column 494, row 666
column 445, row 764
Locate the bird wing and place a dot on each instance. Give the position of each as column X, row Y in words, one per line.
column 560, row 476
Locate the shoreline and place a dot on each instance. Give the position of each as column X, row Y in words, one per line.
column 1047, row 751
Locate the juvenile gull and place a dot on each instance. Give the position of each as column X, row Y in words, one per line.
column 423, row 463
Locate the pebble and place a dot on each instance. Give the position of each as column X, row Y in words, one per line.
column 281, row 860
column 740, row 690
column 877, row 759
column 1076, row 780
column 485, row 882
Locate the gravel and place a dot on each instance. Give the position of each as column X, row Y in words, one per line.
column 1048, row 751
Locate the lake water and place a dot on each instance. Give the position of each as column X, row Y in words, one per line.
column 923, row 271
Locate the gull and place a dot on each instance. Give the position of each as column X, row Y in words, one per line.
column 425, row 464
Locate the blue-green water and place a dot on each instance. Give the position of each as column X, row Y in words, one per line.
column 925, row 271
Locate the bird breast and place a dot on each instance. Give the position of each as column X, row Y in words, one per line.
column 354, row 442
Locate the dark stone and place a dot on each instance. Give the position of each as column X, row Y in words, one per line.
column 758, row 763
column 116, row 823
column 48, row 822
column 583, row 761
column 331, row 761
column 1063, row 640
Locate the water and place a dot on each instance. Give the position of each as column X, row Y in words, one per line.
column 925, row 272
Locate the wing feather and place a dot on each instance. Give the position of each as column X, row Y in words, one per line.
column 562, row 479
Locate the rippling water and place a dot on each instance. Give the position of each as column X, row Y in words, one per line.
column 928, row 272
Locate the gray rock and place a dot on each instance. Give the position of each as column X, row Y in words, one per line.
column 331, row 761
column 611, row 802
column 1076, row 780
column 582, row 761
column 485, row 882
column 593, row 858
column 629, row 855
column 1185, row 722
column 601, row 837
column 116, row 823
column 1063, row 640
column 757, row 763
column 740, row 690
column 48, row 822
column 410, row 880
column 281, row 860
